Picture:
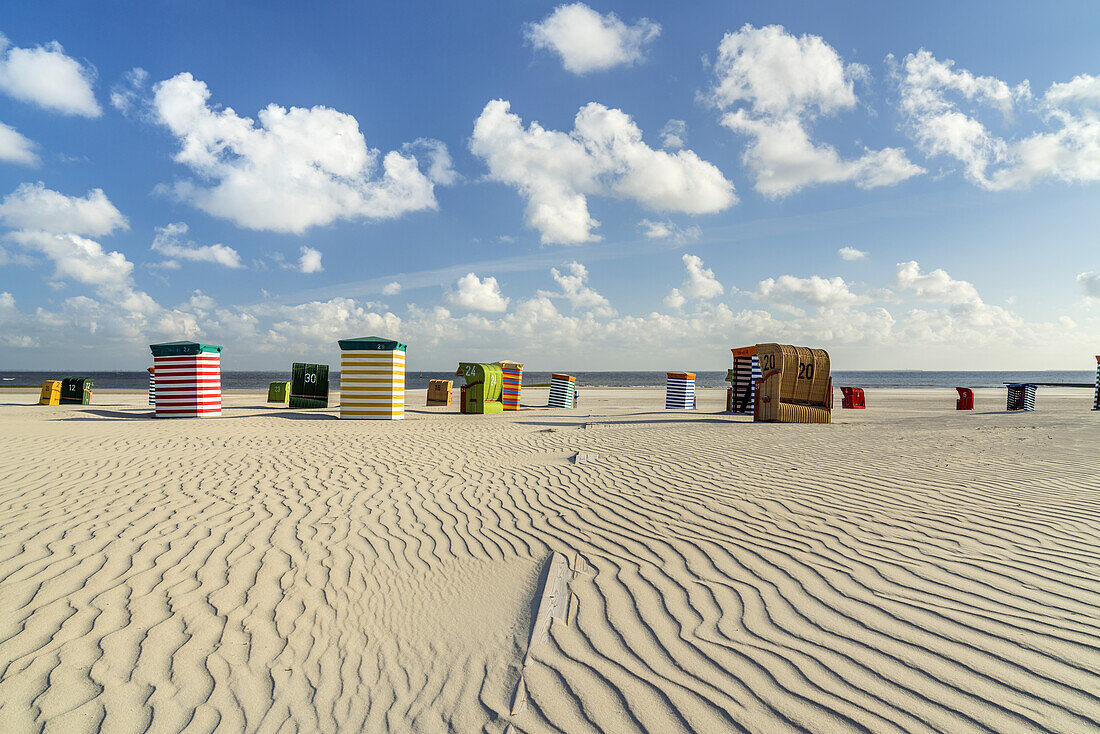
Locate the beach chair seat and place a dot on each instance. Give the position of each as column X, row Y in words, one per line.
column 966, row 399
column 853, row 398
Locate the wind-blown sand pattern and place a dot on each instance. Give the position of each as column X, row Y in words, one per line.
column 909, row 568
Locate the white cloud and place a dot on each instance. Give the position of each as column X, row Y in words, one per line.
column 675, row 299
column 673, row 134
column 310, row 260
column 1090, row 283
column 851, row 253
column 934, row 286
column 778, row 84
column 667, row 229
column 45, row 76
column 587, row 41
column 575, row 289
column 474, row 294
column 967, row 316
column 699, row 283
column 14, row 148
column 391, row 289
column 826, row 293
column 298, row 169
column 34, row 207
column 127, row 94
column 77, row 258
column 167, row 242
column 1070, row 152
column 604, row 155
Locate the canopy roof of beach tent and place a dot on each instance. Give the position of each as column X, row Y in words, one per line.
column 372, row 342
column 173, row 349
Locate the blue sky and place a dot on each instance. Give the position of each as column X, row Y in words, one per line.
column 603, row 186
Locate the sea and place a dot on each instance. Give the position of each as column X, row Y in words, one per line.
column 418, row 380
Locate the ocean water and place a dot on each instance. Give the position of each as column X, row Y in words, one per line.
column 419, row 380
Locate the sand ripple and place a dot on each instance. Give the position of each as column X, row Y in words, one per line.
column 258, row 573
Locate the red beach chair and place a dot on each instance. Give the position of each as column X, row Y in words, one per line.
column 966, row 399
column 853, row 398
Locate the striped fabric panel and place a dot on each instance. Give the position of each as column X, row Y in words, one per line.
column 511, row 387
column 746, row 372
column 561, row 394
column 1096, row 402
column 187, row 386
column 1021, row 398
column 152, row 390
column 679, row 393
column 372, row 385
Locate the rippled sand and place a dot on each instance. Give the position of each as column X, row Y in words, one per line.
column 908, row 568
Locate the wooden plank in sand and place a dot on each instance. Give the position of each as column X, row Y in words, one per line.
column 553, row 605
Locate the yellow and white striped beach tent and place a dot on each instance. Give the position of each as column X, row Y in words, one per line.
column 372, row 378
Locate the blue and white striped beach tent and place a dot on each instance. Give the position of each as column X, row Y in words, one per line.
column 742, row 378
column 680, row 390
column 1096, row 400
column 562, row 389
column 1021, row 397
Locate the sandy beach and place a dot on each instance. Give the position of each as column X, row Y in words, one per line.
column 908, row 568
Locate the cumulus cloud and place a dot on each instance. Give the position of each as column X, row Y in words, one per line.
column 930, row 91
column 934, row 286
column 34, row 207
column 1090, row 283
column 575, row 289
column 15, row 148
column 46, row 77
column 851, row 253
column 391, row 289
column 296, row 169
column 699, row 283
column 673, row 134
column 478, row 294
column 771, row 86
column 309, row 260
column 77, row 258
column 966, row 312
column 603, row 155
column 667, row 229
column 167, row 241
column 827, row 293
column 588, row 41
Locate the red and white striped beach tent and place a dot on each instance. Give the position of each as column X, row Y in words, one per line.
column 189, row 379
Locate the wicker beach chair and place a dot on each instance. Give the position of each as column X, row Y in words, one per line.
column 796, row 386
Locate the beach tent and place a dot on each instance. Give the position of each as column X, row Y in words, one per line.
column 512, row 374
column 372, row 378
column 152, row 386
column 853, row 398
column 279, row 392
column 76, row 390
column 1021, row 396
column 308, row 385
column 189, row 379
column 796, row 385
column 679, row 390
column 1096, row 400
column 966, row 399
column 439, row 392
column 51, row 393
column 562, row 390
column 742, row 379
column 482, row 391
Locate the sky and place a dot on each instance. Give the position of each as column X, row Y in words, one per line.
column 604, row 186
